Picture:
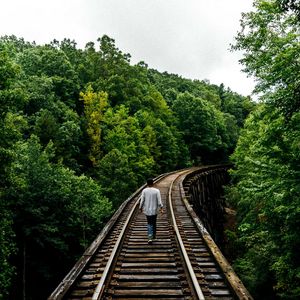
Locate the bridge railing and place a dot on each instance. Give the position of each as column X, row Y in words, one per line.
column 202, row 193
column 204, row 190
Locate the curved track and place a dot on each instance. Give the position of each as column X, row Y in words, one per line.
column 120, row 264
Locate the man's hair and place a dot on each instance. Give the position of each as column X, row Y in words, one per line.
column 150, row 181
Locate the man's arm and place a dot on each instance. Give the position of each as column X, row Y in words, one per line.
column 142, row 200
column 159, row 201
column 159, row 198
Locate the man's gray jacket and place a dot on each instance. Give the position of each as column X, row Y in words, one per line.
column 150, row 201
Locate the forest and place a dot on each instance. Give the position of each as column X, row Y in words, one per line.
column 266, row 190
column 81, row 129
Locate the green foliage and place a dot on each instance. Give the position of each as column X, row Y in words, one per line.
column 116, row 176
column 8, row 70
column 53, row 208
column 39, row 188
column 287, row 5
column 267, row 161
column 12, row 125
column 7, row 249
column 272, row 39
column 202, row 125
column 171, row 85
column 124, row 139
column 94, row 106
column 11, row 96
column 54, row 64
column 81, row 129
column 235, row 105
column 165, row 143
column 267, row 155
column 61, row 125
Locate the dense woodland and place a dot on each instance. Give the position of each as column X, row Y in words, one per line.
column 81, row 129
column 267, row 158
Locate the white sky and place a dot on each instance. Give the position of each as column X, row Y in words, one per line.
column 187, row 37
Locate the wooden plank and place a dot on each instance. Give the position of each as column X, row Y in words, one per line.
column 149, row 259
column 147, row 264
column 153, row 246
column 138, row 270
column 149, row 250
column 213, row 277
column 149, row 254
column 220, row 292
column 148, row 292
column 152, row 284
column 143, row 277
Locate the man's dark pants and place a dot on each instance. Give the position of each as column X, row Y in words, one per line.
column 151, row 226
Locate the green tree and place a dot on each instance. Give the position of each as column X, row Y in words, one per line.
column 12, row 126
column 267, row 162
column 61, row 125
column 236, row 105
column 271, row 41
column 267, row 155
column 54, row 64
column 113, row 73
column 200, row 123
column 165, row 143
column 116, row 176
column 94, row 107
column 54, row 211
column 124, row 138
column 287, row 5
column 7, row 249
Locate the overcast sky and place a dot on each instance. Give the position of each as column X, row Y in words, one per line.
column 186, row 37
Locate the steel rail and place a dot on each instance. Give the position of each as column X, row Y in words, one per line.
column 185, row 255
column 233, row 280
column 63, row 288
column 100, row 287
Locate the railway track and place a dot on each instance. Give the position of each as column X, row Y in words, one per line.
column 182, row 263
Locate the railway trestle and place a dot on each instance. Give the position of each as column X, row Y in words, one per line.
column 183, row 262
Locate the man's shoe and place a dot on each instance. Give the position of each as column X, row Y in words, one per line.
column 150, row 239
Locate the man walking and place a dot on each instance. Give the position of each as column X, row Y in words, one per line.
column 149, row 203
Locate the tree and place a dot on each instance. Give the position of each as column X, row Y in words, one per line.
column 267, row 169
column 7, row 249
column 165, row 143
column 116, row 176
column 200, row 124
column 267, row 155
column 94, row 107
column 124, row 138
column 61, row 125
column 236, row 105
column 12, row 125
column 287, row 5
column 270, row 39
column 53, row 63
column 54, row 211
